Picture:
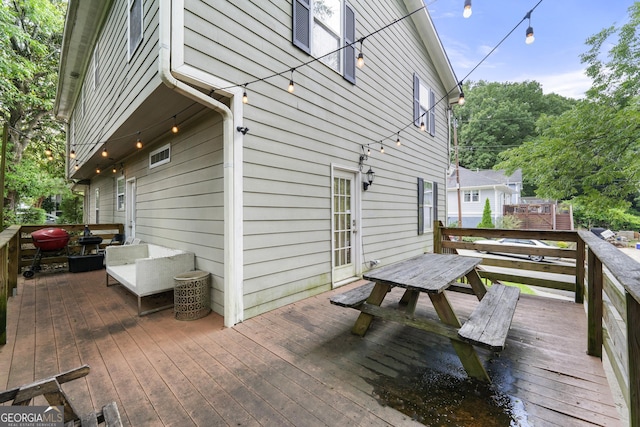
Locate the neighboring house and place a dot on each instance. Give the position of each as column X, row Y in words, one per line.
column 475, row 188
column 268, row 194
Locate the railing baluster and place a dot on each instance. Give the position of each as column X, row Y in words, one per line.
column 594, row 306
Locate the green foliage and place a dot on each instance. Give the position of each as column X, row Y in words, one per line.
column 31, row 216
column 486, row 221
column 509, row 222
column 614, row 219
column 498, row 116
column 71, row 207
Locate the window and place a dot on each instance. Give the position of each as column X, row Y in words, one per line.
column 471, row 196
column 427, row 205
column 135, row 25
column 120, row 199
column 323, row 26
column 424, row 101
column 160, row 156
column 98, row 205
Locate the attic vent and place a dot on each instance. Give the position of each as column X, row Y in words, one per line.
column 160, row 156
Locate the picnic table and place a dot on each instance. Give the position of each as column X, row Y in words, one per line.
column 487, row 326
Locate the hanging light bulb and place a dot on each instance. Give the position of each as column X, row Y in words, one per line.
column 467, row 9
column 368, row 150
column 291, row 85
column 381, row 149
column 529, row 39
column 47, row 152
column 139, row 143
column 97, row 170
column 461, row 100
column 360, row 60
column 114, row 169
column 174, row 128
column 50, row 157
column 105, row 153
column 76, row 166
column 423, row 127
column 245, row 98
column 72, row 154
column 398, row 143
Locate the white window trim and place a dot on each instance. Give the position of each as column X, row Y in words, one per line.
column 160, row 162
column 119, row 180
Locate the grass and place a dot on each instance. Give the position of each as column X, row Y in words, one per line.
column 524, row 289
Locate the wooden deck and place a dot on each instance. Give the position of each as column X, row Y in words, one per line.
column 298, row 365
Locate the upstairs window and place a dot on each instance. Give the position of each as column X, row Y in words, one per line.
column 472, row 196
column 424, row 101
column 135, row 25
column 323, row 26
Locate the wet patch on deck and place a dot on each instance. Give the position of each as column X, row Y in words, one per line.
column 438, row 398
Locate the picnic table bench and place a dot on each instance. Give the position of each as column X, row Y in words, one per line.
column 51, row 389
column 487, row 326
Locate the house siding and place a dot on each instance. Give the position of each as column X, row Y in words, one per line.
column 123, row 85
column 294, row 140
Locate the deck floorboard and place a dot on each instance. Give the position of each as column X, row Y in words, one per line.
column 298, row 365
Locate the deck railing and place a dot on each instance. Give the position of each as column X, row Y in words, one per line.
column 611, row 286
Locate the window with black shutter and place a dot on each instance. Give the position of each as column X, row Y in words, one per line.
column 424, row 101
column 321, row 28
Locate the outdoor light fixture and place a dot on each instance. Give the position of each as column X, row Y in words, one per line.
column 467, row 9
column 242, row 129
column 423, row 127
column 105, row 153
column 381, row 151
column 291, row 85
column 139, row 144
column 370, row 177
column 114, row 169
column 72, row 154
column 98, row 170
column 47, row 152
column 245, row 98
column 360, row 60
column 76, row 166
column 530, row 39
column 398, row 143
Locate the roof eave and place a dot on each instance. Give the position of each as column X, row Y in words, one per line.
column 83, row 23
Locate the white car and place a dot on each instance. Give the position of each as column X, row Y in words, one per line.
column 516, row 242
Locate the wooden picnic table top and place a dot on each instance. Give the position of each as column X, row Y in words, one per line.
column 431, row 273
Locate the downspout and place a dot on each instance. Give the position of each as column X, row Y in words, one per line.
column 232, row 296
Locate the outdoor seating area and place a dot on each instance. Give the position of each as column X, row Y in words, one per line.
column 299, row 364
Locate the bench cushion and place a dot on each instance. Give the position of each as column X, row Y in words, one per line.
column 489, row 323
column 353, row 297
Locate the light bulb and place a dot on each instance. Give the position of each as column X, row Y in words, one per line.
column 76, row 166
column 47, row 151
column 104, row 152
column 72, row 154
column 114, row 170
column 50, row 158
column 423, row 127
column 360, row 60
column 291, row 86
column 530, row 39
column 398, row 143
column 139, row 143
column 245, row 98
column 97, row 170
column 381, row 149
column 461, row 100
column 174, row 129
column 467, row 9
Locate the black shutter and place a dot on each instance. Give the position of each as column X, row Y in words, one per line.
column 420, row 206
column 302, row 25
column 435, row 201
column 416, row 99
column 349, row 50
column 432, row 112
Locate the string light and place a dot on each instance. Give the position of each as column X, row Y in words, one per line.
column 291, row 85
column 76, row 166
column 529, row 39
column 381, row 148
column 461, row 100
column 50, row 157
column 139, row 144
column 72, row 154
column 98, row 170
column 113, row 169
column 398, row 143
column 467, row 9
column 423, row 127
column 48, row 152
column 360, row 59
column 105, row 153
column 245, row 98
column 174, row 128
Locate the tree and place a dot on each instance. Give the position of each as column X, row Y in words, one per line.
column 486, row 216
column 589, row 154
column 499, row 116
column 30, row 39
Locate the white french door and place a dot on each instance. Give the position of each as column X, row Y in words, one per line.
column 345, row 224
column 130, row 210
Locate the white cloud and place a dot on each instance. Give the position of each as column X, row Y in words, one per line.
column 571, row 84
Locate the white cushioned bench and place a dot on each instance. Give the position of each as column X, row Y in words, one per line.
column 147, row 269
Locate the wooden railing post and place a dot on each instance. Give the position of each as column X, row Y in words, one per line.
column 580, row 248
column 633, row 344
column 437, row 237
column 594, row 305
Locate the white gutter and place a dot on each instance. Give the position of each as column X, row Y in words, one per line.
column 233, row 304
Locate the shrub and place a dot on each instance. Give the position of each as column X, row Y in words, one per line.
column 486, row 216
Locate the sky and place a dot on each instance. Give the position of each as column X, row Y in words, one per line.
column 561, row 28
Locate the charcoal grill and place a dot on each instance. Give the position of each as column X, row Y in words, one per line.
column 46, row 240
